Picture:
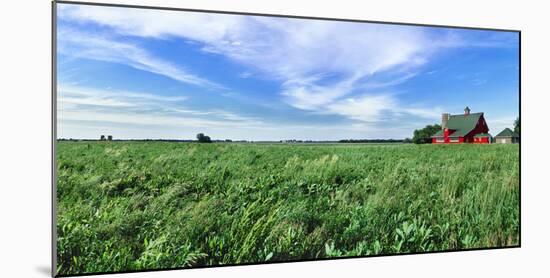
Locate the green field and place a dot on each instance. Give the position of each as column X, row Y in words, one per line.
column 147, row 205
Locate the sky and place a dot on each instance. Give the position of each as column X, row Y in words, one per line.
column 155, row 74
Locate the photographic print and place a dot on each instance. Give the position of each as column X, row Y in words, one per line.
column 192, row 139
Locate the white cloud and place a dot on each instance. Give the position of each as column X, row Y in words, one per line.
column 77, row 103
column 85, row 112
column 323, row 66
column 152, row 119
column 65, row 89
column 102, row 48
column 372, row 109
column 496, row 125
column 366, row 109
column 153, row 23
column 71, row 96
column 94, row 101
column 297, row 52
column 306, row 94
column 429, row 113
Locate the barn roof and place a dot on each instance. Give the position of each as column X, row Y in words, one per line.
column 461, row 124
column 507, row 133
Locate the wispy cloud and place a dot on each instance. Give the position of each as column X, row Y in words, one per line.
column 341, row 69
column 375, row 109
column 75, row 97
column 297, row 53
column 479, row 39
column 78, row 103
column 88, row 112
column 479, row 81
column 99, row 47
column 366, row 108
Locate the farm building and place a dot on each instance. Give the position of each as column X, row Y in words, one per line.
column 483, row 138
column 507, row 136
column 462, row 128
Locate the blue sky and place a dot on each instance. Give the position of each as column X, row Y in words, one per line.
column 137, row 73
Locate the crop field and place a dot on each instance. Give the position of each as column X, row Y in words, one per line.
column 150, row 205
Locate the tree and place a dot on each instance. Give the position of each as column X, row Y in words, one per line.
column 516, row 126
column 423, row 136
column 203, row 138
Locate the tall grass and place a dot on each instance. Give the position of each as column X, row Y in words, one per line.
column 135, row 205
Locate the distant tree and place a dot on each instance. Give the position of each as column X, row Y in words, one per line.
column 407, row 140
column 200, row 137
column 203, row 138
column 423, row 136
column 102, row 138
column 516, row 126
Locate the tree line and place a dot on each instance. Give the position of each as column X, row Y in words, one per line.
column 420, row 136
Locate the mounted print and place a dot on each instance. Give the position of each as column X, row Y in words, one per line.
column 188, row 138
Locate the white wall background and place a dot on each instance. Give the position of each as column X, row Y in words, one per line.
column 25, row 137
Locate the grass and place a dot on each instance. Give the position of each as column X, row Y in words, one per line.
column 150, row 205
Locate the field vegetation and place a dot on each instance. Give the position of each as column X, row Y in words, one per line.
column 151, row 205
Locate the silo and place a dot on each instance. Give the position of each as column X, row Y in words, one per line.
column 444, row 120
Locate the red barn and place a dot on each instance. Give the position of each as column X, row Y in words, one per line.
column 462, row 128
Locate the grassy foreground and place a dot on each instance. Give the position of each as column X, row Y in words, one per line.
column 149, row 205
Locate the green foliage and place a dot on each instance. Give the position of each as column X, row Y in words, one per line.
column 516, row 126
column 423, row 136
column 151, row 205
column 203, row 138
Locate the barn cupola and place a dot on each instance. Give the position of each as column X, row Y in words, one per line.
column 467, row 111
